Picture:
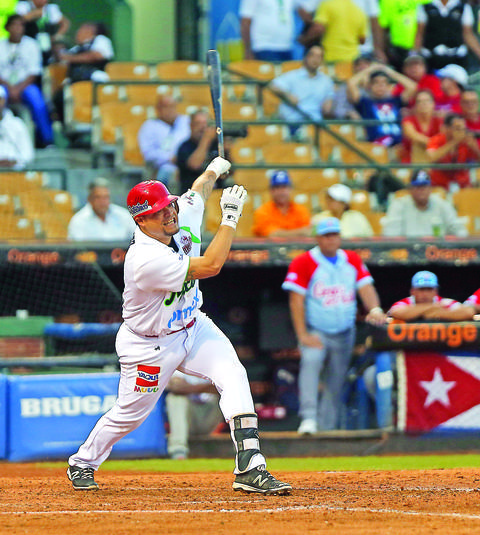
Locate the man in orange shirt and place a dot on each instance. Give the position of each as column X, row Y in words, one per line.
column 455, row 145
column 281, row 216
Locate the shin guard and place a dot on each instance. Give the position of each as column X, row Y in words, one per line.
column 244, row 430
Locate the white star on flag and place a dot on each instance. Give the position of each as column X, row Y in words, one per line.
column 437, row 389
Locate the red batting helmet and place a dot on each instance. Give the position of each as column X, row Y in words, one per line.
column 148, row 197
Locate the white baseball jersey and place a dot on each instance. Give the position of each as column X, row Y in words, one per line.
column 157, row 299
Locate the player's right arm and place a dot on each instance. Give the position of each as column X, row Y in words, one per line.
column 210, row 264
column 205, row 182
column 297, row 313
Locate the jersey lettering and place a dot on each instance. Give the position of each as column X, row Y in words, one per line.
column 184, row 313
column 187, row 285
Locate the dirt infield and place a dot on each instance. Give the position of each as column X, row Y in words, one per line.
column 38, row 500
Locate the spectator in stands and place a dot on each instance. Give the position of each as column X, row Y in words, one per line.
column 421, row 212
column 453, row 81
column 444, row 33
column 373, row 45
column 16, row 147
column 44, row 22
column 353, row 224
column 469, row 104
column 415, row 68
column 424, row 303
column 192, row 409
column 342, row 107
column 454, row 145
column 307, row 88
column 86, row 60
column 323, row 284
column 379, row 104
column 197, row 151
column 341, row 26
column 281, row 216
column 91, row 53
column 160, row 138
column 419, row 127
column 267, row 28
column 399, row 20
column 99, row 219
column 20, row 67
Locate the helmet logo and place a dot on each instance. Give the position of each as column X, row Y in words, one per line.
column 138, row 208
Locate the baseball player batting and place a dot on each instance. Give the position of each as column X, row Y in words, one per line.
column 164, row 329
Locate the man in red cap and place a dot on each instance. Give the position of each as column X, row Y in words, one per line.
column 164, row 329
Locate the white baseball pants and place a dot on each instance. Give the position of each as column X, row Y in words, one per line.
column 203, row 351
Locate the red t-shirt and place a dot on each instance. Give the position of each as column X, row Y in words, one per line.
column 474, row 126
column 449, row 104
column 462, row 154
column 432, row 130
column 430, row 82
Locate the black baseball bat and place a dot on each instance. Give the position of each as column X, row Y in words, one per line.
column 215, row 81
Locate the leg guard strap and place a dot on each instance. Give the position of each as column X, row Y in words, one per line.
column 245, row 434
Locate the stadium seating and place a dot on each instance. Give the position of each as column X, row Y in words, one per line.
column 467, row 202
column 128, row 70
column 109, row 116
column 181, row 70
column 288, row 153
column 260, row 135
column 145, row 94
column 253, row 69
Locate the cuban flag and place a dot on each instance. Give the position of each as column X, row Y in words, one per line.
column 438, row 392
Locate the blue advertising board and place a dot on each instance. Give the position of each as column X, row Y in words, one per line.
column 225, row 30
column 50, row 416
column 3, row 416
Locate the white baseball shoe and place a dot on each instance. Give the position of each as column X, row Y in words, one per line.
column 307, row 427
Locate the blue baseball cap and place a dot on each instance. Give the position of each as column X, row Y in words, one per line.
column 280, row 178
column 424, row 279
column 329, row 225
column 420, row 178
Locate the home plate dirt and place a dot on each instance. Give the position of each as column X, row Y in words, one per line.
column 37, row 500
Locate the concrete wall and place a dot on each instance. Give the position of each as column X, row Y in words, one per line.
column 153, row 30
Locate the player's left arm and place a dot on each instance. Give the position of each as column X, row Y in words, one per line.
column 459, row 313
column 204, row 184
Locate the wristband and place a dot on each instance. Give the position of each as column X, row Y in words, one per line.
column 376, row 309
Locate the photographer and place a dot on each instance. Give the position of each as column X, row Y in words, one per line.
column 199, row 149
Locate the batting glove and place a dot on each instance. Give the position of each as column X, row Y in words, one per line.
column 219, row 166
column 231, row 203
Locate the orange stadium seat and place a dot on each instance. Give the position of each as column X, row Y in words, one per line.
column 198, row 94
column 260, row 135
column 313, row 180
column 244, row 153
column 288, row 153
column 114, row 114
column 16, row 228
column 238, row 111
column 127, row 70
column 146, row 94
column 254, row 180
column 181, row 70
column 253, row 68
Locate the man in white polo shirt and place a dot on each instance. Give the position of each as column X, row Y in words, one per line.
column 268, row 28
column 99, row 219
